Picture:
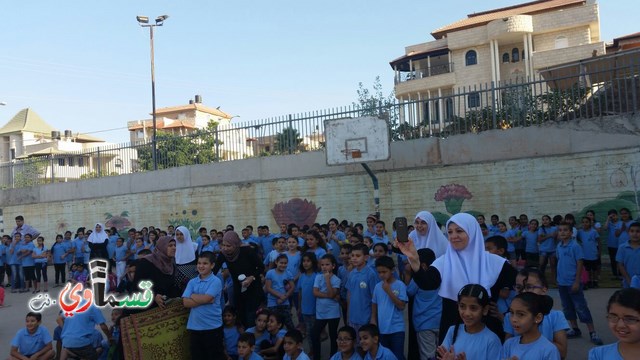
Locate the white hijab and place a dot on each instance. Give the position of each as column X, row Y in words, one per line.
column 98, row 237
column 185, row 251
column 471, row 265
column 434, row 239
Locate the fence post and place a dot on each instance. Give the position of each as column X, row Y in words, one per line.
column 99, row 171
column 217, row 144
column 634, row 94
column 494, row 101
column 52, row 171
column 291, row 134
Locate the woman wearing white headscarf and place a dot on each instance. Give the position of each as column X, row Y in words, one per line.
column 98, row 241
column 464, row 262
column 185, row 257
column 427, row 234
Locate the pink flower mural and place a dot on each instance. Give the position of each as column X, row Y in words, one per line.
column 453, row 196
column 295, row 211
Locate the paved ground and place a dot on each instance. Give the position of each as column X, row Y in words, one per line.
column 13, row 314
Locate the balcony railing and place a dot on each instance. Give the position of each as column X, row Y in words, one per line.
column 423, row 73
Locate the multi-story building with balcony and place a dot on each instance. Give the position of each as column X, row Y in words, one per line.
column 442, row 78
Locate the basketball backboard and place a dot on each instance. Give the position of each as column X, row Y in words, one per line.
column 356, row 140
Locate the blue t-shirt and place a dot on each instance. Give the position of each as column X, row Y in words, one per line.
column 590, row 241
column 77, row 330
column 383, row 354
column 253, row 356
column 40, row 251
column 57, row 250
column 540, row 349
column 266, row 243
column 612, row 239
column 531, row 241
column 305, row 288
column 265, row 336
column 360, row 286
column 354, row 356
column 427, row 306
column 3, row 255
column 327, row 308
column 29, row 344
column 630, row 259
column 606, row 352
column 231, row 335
column 208, row 247
column 278, row 283
column 568, row 256
column 380, row 239
column 12, row 259
column 319, row 252
column 80, row 248
column 552, row 322
column 547, row 245
column 25, row 251
column 205, row 316
column 624, row 235
column 293, row 266
column 507, row 234
column 343, row 274
column 471, row 343
column 121, row 253
column 302, row 356
column 390, row 318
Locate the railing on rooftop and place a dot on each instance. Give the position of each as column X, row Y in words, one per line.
column 592, row 89
column 423, row 73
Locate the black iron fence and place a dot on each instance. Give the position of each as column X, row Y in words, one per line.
column 599, row 87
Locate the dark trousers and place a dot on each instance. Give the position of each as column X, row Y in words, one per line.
column 612, row 257
column 41, row 272
column 333, row 336
column 2, row 275
column 207, row 344
column 61, row 273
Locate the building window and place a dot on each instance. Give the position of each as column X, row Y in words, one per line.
column 60, row 161
column 140, row 134
column 562, row 42
column 505, row 57
column 13, row 154
column 473, row 100
column 81, row 161
column 71, row 162
column 448, row 109
column 515, row 55
column 471, row 57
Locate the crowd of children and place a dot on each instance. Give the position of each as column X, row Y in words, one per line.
column 319, row 277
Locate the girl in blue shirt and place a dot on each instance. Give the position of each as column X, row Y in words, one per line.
column 527, row 312
column 326, row 287
column 275, row 328
column 547, row 245
column 259, row 331
column 232, row 331
column 590, row 240
column 472, row 334
column 279, row 286
column 530, row 236
column 59, row 252
column 623, row 315
column 306, row 299
column 315, row 244
column 41, row 256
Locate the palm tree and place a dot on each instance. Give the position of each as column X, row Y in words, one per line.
column 288, row 141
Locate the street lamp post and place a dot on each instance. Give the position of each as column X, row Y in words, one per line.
column 144, row 22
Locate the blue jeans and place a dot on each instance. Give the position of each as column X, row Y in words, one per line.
column 573, row 303
column 18, row 278
column 395, row 343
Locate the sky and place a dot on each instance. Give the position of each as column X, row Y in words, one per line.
column 85, row 65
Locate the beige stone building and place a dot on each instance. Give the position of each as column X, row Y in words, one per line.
column 443, row 78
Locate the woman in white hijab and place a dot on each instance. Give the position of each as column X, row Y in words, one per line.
column 427, row 234
column 464, row 262
column 185, row 257
column 98, row 241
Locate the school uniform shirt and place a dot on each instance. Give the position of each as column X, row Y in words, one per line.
column 39, row 251
column 265, row 242
column 208, row 247
column 360, row 285
column 606, row 352
column 343, row 274
column 205, row 316
column 25, row 251
column 589, row 240
column 470, row 343
column 305, row 288
column 265, row 336
column 427, row 307
column 279, row 335
column 319, row 252
column 253, row 356
column 302, row 356
column 541, row 349
column 629, row 257
column 624, row 235
column 271, row 257
column 383, row 354
column 552, row 323
column 326, row 308
column 531, row 241
column 29, row 344
column 380, row 239
column 278, row 283
column 57, row 250
column 78, row 329
column 3, row 254
column 612, row 239
column 121, row 253
column 548, row 245
column 79, row 245
column 354, row 356
column 231, row 335
column 390, row 318
column 507, row 234
column 12, row 259
column 293, row 265
column 568, row 255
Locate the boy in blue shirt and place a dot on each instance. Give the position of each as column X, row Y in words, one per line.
column 388, row 303
column 570, row 262
column 246, row 346
column 28, row 263
column 13, row 252
column 360, row 285
column 590, row 240
column 32, row 342
column 203, row 296
column 120, row 257
column 292, row 345
column 370, row 342
column 78, row 336
column 613, row 227
column 628, row 255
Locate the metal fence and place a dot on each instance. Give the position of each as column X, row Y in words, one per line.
column 602, row 86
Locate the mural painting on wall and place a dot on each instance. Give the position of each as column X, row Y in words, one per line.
column 62, row 225
column 625, row 176
column 295, row 211
column 453, row 196
column 120, row 222
column 188, row 219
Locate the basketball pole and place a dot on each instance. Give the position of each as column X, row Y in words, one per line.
column 376, row 188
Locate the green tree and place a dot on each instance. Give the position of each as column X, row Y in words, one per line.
column 288, row 141
column 31, row 173
column 374, row 103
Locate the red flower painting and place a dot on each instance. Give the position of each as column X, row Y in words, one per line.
column 453, row 196
column 295, row 211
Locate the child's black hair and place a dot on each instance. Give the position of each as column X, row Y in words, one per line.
column 427, row 256
column 629, row 298
column 499, row 241
column 331, row 258
column 383, row 245
column 312, row 257
column 612, row 212
column 526, row 272
column 248, row 338
column 144, row 252
column 347, row 247
column 280, row 257
column 348, row 329
column 35, row 315
column 295, row 335
column 208, row 255
column 279, row 318
column 475, row 291
column 361, row 247
column 385, row 261
column 275, row 240
column 370, row 329
column 536, row 304
column 634, row 225
column 231, row 310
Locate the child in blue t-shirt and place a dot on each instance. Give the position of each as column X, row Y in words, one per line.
column 326, row 289
column 246, row 347
column 279, row 247
column 203, row 296
column 306, row 299
column 360, row 285
column 60, row 253
column 613, row 226
column 232, row 331
column 343, row 273
column 623, row 314
column 120, row 257
column 628, row 255
column 346, row 345
column 570, row 265
column 387, row 308
column 530, row 236
column 470, row 335
column 33, row 341
column 370, row 342
column 206, row 244
column 590, row 240
column 260, row 333
column 547, row 245
column 279, row 286
column 527, row 312
column 272, row 348
column 292, row 345
column 427, row 306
